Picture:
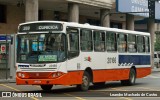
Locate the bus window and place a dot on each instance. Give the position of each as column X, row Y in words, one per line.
column 99, row 41
column 147, row 44
column 132, row 43
column 140, row 44
column 122, row 42
column 73, row 38
column 86, row 40
column 111, row 43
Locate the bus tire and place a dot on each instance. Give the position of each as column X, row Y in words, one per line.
column 46, row 87
column 132, row 78
column 85, row 82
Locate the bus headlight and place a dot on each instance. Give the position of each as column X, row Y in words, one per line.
column 19, row 74
column 57, row 74
column 23, row 76
column 54, row 75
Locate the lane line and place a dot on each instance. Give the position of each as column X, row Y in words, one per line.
column 151, row 76
column 148, row 88
column 118, row 89
column 79, row 98
column 16, row 90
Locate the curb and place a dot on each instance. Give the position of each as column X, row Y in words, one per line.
column 155, row 69
column 7, row 80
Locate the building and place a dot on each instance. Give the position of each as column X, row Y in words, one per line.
column 94, row 12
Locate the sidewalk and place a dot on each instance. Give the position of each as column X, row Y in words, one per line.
column 155, row 69
column 7, row 80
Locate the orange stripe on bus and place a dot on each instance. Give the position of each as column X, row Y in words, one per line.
column 75, row 77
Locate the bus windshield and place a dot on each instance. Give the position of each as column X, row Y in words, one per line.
column 41, row 48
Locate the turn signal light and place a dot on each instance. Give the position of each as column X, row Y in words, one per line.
column 57, row 74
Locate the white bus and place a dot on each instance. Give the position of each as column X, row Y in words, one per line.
column 65, row 53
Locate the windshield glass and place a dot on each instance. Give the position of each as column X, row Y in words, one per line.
column 41, row 48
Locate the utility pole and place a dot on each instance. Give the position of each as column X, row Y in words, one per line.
column 151, row 26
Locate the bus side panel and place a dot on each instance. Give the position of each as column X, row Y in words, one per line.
column 110, row 75
column 142, row 72
column 118, row 74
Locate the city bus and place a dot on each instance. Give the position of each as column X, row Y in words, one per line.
column 66, row 53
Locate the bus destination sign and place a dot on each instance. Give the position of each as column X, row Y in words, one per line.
column 36, row 27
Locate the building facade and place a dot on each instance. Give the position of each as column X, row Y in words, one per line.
column 94, row 12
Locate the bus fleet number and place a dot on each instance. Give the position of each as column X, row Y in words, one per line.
column 111, row 60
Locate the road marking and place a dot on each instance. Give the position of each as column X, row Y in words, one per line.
column 16, row 90
column 118, row 89
column 152, row 76
column 79, row 98
column 148, row 89
column 125, row 98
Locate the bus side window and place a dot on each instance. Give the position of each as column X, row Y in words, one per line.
column 140, row 44
column 86, row 40
column 147, row 44
column 73, row 42
column 122, row 42
column 132, row 43
column 111, row 41
column 99, row 41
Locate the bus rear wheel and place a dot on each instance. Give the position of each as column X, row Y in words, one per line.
column 132, row 78
column 85, row 82
column 46, row 87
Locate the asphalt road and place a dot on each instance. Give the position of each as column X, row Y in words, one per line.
column 145, row 89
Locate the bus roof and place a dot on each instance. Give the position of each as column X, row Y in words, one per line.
column 74, row 24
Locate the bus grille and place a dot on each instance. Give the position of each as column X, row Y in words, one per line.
column 39, row 75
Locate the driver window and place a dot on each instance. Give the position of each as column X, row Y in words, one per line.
column 73, row 42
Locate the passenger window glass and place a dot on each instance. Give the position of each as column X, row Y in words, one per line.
column 111, row 43
column 122, row 42
column 99, row 41
column 86, row 40
column 147, row 44
column 140, row 44
column 132, row 43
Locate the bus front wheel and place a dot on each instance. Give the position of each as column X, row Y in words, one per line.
column 46, row 87
column 85, row 82
column 132, row 78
